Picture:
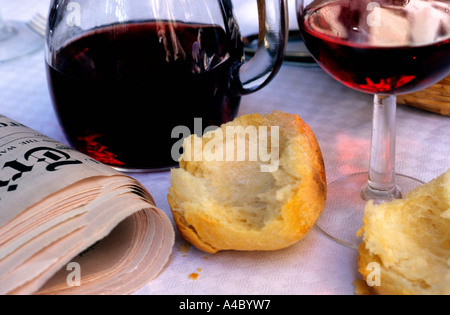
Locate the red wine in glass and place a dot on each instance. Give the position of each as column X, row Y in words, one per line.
column 380, row 49
column 114, row 86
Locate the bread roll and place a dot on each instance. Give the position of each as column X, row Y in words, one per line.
column 410, row 240
column 234, row 205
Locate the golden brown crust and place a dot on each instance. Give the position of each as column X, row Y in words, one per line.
column 189, row 234
column 300, row 184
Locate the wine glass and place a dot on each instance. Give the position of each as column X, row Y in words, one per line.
column 386, row 48
column 17, row 40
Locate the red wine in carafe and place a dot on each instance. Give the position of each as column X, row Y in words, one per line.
column 120, row 90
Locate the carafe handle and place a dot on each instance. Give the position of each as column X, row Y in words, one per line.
column 253, row 75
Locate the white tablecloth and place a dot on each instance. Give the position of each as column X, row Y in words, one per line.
column 341, row 120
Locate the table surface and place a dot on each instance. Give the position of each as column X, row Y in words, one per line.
column 341, row 119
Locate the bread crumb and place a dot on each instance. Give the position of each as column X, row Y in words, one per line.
column 193, row 276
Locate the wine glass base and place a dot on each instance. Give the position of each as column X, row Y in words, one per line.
column 344, row 213
column 18, row 40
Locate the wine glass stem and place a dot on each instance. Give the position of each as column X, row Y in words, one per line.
column 382, row 185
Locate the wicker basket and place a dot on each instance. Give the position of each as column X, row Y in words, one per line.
column 435, row 99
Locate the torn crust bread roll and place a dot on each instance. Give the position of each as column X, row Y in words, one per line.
column 410, row 240
column 250, row 205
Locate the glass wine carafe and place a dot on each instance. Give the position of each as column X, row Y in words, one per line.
column 386, row 48
column 124, row 74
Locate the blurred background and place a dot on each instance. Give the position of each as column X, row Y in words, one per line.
column 247, row 14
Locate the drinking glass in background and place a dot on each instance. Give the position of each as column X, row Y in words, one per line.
column 124, row 75
column 247, row 15
column 386, row 48
column 17, row 40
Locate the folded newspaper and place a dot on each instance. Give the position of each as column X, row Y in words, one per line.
column 70, row 225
